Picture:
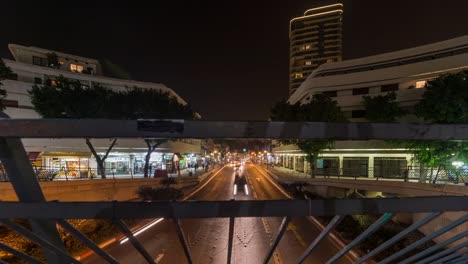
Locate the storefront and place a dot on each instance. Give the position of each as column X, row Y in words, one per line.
column 74, row 165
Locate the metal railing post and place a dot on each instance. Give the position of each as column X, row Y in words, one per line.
column 138, row 246
column 183, row 240
column 279, row 235
column 376, row 225
column 18, row 254
column 333, row 223
column 230, row 239
column 90, row 244
column 19, row 170
column 399, row 236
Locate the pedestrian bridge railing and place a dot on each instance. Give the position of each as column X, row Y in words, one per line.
column 44, row 217
column 176, row 210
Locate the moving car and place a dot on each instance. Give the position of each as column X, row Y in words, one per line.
column 240, row 185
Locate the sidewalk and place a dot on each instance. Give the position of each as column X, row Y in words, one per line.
column 183, row 173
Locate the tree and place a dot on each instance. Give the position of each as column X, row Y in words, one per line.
column 52, row 60
column 445, row 101
column 382, row 108
column 69, row 99
column 320, row 109
column 4, row 73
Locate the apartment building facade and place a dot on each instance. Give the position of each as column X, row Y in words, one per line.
column 404, row 72
column 37, row 66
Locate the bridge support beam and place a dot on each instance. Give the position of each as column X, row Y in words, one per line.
column 20, row 172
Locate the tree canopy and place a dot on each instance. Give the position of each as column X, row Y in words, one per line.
column 382, row 108
column 70, row 99
column 4, row 73
column 320, row 109
column 445, row 99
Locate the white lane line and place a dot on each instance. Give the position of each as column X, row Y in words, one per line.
column 201, row 187
column 275, row 184
column 159, row 257
column 156, row 221
column 141, row 230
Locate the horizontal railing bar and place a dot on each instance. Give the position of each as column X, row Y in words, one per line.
column 211, row 209
column 105, row 128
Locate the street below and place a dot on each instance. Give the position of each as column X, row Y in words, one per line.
column 208, row 238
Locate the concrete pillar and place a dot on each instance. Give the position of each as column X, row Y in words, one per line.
column 294, row 162
column 305, row 165
column 340, row 158
column 132, row 164
column 370, row 167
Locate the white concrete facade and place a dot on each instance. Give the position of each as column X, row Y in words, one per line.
column 404, row 72
column 27, row 74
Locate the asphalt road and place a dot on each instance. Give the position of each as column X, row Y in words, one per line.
column 208, row 238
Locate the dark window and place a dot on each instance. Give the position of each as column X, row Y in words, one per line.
column 358, row 113
column 9, row 103
column 39, row 61
column 330, row 93
column 358, row 91
column 389, row 167
column 37, row 80
column 12, row 76
column 389, row 87
column 355, row 166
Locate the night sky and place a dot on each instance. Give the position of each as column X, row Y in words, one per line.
column 229, row 59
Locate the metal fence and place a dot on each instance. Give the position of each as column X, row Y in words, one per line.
column 44, row 216
column 176, row 210
column 440, row 175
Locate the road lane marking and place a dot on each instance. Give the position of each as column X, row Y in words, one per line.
column 265, row 223
column 336, row 241
column 201, row 187
column 299, row 238
column 142, row 229
column 275, row 184
column 159, row 258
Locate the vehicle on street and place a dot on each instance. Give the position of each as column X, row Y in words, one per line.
column 240, row 185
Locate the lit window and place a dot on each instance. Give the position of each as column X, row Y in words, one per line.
column 307, row 46
column 308, row 63
column 420, row 84
column 298, row 75
column 76, row 68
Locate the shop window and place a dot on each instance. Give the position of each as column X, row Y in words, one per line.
column 330, row 93
column 389, row 87
column 359, row 91
column 37, row 80
column 389, row 166
column 76, row 67
column 358, row 113
column 420, row 84
column 356, row 166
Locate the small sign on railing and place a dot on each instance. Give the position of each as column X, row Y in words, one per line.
column 161, row 126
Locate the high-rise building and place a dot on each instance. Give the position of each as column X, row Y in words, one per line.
column 315, row 38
